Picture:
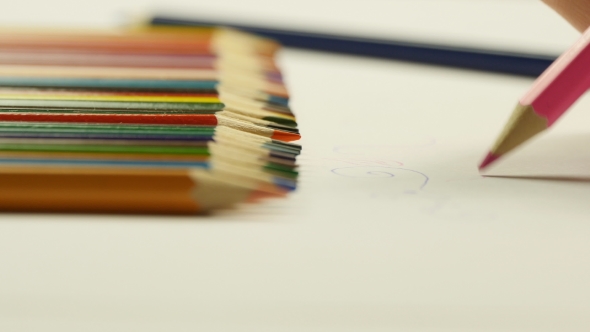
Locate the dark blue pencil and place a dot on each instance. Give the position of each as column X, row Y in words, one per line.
column 522, row 64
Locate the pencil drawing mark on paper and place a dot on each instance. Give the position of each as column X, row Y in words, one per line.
column 383, row 172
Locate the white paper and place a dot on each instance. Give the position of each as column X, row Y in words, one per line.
column 392, row 227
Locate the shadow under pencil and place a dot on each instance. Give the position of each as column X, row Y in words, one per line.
column 543, row 178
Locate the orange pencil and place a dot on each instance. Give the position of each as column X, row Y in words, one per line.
column 112, row 190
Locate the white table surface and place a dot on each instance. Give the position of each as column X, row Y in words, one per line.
column 392, row 229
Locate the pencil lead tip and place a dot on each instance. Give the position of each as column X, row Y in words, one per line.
column 522, row 125
column 285, row 136
column 490, row 158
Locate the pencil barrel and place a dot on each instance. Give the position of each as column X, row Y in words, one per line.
column 143, row 120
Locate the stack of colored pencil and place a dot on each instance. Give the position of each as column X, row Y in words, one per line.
column 146, row 120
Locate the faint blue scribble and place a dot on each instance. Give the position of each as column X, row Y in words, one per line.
column 379, row 171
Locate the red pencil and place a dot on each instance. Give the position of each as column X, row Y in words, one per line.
column 162, row 119
column 549, row 97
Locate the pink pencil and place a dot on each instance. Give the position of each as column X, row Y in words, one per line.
column 549, row 97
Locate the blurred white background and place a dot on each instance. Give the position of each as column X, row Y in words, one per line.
column 512, row 24
column 340, row 254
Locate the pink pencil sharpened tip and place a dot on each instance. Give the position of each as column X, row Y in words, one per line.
column 490, row 158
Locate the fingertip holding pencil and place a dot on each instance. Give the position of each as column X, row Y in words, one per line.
column 577, row 12
column 550, row 96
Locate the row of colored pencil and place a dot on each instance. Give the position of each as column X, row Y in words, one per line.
column 148, row 120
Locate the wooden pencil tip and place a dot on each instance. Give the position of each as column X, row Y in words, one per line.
column 285, row 136
column 522, row 125
column 490, row 158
